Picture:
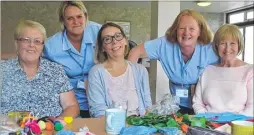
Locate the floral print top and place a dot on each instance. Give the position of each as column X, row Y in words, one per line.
column 40, row 95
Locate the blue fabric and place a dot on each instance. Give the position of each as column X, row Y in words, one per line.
column 138, row 130
column 99, row 99
column 169, row 131
column 65, row 132
column 176, row 69
column 76, row 64
column 223, row 117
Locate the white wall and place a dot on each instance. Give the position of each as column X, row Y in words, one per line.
column 166, row 14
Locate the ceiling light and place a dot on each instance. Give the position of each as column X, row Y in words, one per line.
column 203, row 3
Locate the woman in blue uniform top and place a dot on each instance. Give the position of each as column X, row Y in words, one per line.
column 74, row 47
column 184, row 52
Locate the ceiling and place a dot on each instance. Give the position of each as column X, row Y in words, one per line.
column 217, row 6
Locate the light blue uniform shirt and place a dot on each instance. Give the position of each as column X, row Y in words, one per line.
column 181, row 74
column 76, row 64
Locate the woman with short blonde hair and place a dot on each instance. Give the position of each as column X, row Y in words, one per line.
column 230, row 81
column 73, row 48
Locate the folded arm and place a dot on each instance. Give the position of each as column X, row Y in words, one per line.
column 137, row 52
column 69, row 104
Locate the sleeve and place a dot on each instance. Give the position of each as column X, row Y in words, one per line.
column 63, row 80
column 212, row 56
column 96, row 94
column 153, row 47
column 146, row 88
column 198, row 104
column 248, row 110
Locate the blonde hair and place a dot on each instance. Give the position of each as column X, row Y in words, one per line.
column 29, row 23
column 100, row 55
column 228, row 30
column 65, row 4
column 206, row 34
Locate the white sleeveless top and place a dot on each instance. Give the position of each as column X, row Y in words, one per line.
column 122, row 88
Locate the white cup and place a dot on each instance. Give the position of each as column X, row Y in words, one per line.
column 116, row 117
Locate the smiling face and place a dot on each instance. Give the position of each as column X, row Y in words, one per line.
column 74, row 20
column 116, row 48
column 188, row 31
column 228, row 49
column 30, row 44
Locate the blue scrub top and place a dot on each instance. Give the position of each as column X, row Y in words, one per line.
column 76, row 64
column 181, row 74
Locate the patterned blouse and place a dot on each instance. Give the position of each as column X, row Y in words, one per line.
column 40, row 95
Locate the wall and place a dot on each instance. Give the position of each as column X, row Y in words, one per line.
column 12, row 12
column 215, row 20
column 138, row 13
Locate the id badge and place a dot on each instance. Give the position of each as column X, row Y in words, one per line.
column 81, row 84
column 182, row 93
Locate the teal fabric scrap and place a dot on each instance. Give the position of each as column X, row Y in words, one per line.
column 65, row 132
column 138, row 130
column 223, row 117
column 170, row 131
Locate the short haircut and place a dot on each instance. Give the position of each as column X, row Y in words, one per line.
column 228, row 30
column 65, row 4
column 100, row 55
column 29, row 23
column 206, row 34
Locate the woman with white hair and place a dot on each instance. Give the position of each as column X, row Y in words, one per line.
column 32, row 83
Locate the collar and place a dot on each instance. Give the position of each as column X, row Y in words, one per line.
column 43, row 67
column 86, row 39
column 65, row 41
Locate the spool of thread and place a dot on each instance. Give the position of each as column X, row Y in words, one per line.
column 49, row 126
column 56, row 121
column 68, row 120
column 42, row 124
column 58, row 126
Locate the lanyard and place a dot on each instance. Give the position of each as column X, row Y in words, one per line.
column 71, row 55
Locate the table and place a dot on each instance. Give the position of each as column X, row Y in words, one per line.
column 95, row 125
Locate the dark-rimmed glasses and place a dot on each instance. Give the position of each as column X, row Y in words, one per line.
column 108, row 39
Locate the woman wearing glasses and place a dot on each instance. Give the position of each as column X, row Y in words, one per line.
column 32, row 83
column 74, row 48
column 115, row 79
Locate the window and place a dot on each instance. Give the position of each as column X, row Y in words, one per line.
column 250, row 15
column 244, row 20
column 235, row 18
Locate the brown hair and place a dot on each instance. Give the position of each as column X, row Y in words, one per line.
column 228, row 30
column 100, row 55
column 206, row 34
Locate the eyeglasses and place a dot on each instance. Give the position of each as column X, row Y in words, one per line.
column 108, row 39
column 27, row 40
